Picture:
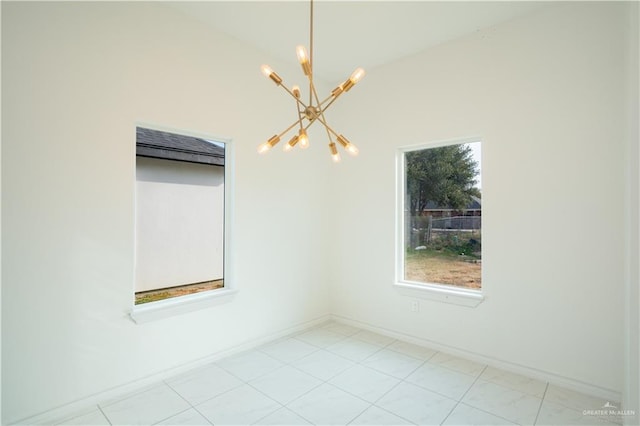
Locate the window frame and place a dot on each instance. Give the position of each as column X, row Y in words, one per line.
column 431, row 291
column 165, row 308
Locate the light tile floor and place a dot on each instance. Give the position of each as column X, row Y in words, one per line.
column 335, row 374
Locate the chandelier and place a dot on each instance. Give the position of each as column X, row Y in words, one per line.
column 314, row 110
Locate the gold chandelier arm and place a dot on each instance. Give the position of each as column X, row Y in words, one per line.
column 327, row 99
column 299, row 120
column 329, row 129
column 300, row 117
column 293, row 96
column 322, row 120
column 328, row 134
column 329, row 104
column 351, row 148
column 355, row 77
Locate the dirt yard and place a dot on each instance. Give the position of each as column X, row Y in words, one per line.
column 433, row 268
column 166, row 293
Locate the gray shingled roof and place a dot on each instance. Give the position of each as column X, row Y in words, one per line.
column 172, row 146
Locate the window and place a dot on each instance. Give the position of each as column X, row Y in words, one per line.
column 180, row 215
column 440, row 212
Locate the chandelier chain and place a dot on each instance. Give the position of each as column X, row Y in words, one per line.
column 311, row 50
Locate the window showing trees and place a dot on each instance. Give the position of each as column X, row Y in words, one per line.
column 442, row 215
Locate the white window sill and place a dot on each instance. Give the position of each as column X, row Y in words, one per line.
column 161, row 309
column 440, row 293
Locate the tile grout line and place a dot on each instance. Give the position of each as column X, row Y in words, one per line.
column 267, row 396
column 241, row 380
column 166, row 383
column 290, row 364
column 359, row 414
column 326, row 382
column 244, row 382
column 323, row 382
column 191, row 406
column 175, row 414
column 319, row 378
column 572, row 407
column 435, row 364
column 442, row 394
column 397, row 415
column 459, row 401
column 412, row 356
column 535, row 421
column 62, row 420
column 284, row 364
column 326, row 349
column 203, row 416
column 424, row 361
column 375, row 403
column 104, row 414
column 315, row 349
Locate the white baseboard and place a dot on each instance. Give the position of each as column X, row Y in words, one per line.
column 552, row 378
column 90, row 403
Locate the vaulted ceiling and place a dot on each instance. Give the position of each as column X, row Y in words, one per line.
column 348, row 34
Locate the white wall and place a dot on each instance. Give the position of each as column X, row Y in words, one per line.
column 1, row 274
column 631, row 399
column 179, row 223
column 546, row 94
column 77, row 77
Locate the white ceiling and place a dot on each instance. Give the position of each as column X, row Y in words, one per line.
column 348, row 34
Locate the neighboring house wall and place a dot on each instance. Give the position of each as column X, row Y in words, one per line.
column 179, row 223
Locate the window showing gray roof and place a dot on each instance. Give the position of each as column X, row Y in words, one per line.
column 172, row 146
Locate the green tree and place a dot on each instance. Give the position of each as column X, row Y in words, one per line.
column 446, row 176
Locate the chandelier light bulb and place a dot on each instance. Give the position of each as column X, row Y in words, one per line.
column 303, row 58
column 289, row 145
column 351, row 148
column 301, row 52
column 357, row 75
column 264, row 147
column 335, row 156
column 303, row 138
column 296, row 91
column 268, row 144
column 268, row 72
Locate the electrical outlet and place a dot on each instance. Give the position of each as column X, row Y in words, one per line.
column 415, row 306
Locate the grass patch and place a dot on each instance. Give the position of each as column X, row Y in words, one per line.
column 443, row 266
column 167, row 293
